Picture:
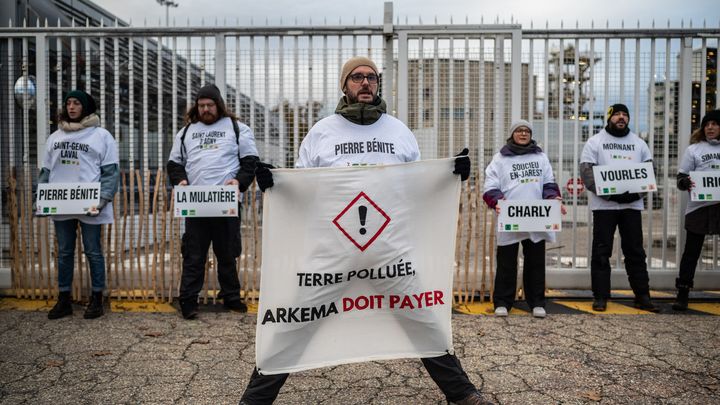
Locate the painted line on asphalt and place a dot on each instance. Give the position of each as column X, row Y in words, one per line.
column 612, row 308
column 709, row 308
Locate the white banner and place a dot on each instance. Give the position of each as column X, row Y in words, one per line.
column 707, row 186
column 66, row 198
column 357, row 265
column 206, row 201
column 621, row 177
column 529, row 216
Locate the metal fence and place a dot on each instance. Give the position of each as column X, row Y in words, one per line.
column 454, row 86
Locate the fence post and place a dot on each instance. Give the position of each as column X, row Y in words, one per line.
column 684, row 128
column 403, row 72
column 220, row 64
column 41, row 67
column 516, row 76
column 387, row 77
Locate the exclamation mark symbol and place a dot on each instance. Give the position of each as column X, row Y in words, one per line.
column 362, row 210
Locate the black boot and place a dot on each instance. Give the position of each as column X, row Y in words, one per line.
column 95, row 307
column 189, row 308
column 642, row 301
column 63, row 306
column 599, row 304
column 236, row 305
column 681, row 302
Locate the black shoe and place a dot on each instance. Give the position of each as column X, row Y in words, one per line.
column 235, row 305
column 599, row 304
column 63, row 306
column 473, row 399
column 95, row 307
column 681, row 302
column 643, row 302
column 189, row 308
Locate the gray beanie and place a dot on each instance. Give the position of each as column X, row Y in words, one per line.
column 520, row 123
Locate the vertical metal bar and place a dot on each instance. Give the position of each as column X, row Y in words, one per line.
column 11, row 103
column 684, row 127
column 281, row 103
column 651, row 145
column 102, row 83
column 466, row 95
column 131, row 108
column 160, row 136
column 591, row 130
column 561, row 113
column 387, row 85
column 296, row 100
column 88, row 66
column 546, row 95
column 310, row 104
column 58, row 72
column 173, row 113
column 203, row 62
column 402, row 92
column 252, row 101
column 666, row 150
column 576, row 129
column 116, row 87
column 516, row 74
column 325, row 71
column 499, row 80
column 41, row 69
column 703, row 78
column 606, row 82
column 237, row 80
column 73, row 63
column 220, row 64
column 622, row 71
column 420, row 87
column 481, row 108
column 266, row 93
column 188, row 78
column 451, row 98
column 145, row 130
column 531, row 83
column 436, row 93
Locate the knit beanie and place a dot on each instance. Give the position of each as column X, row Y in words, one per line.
column 212, row 92
column 87, row 101
column 617, row 108
column 520, row 123
column 713, row 115
column 351, row 65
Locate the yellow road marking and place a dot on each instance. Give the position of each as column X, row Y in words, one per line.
column 710, row 308
column 141, row 306
column 26, row 304
column 612, row 308
column 483, row 308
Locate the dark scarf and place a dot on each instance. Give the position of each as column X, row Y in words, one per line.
column 617, row 132
column 361, row 113
column 513, row 149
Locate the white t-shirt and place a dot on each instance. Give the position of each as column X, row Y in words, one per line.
column 335, row 141
column 603, row 149
column 211, row 154
column 76, row 157
column 520, row 177
column 700, row 157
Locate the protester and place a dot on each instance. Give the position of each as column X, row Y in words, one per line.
column 80, row 151
column 701, row 217
column 214, row 148
column 520, row 171
column 361, row 116
column 616, row 144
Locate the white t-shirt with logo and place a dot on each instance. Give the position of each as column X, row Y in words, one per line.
column 603, row 149
column 520, row 177
column 211, row 154
column 335, row 141
column 76, row 157
column 700, row 157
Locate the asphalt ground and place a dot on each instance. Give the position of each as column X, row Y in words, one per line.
column 144, row 352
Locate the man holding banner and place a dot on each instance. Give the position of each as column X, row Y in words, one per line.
column 614, row 156
column 360, row 133
column 79, row 153
column 521, row 171
column 214, row 148
column 699, row 175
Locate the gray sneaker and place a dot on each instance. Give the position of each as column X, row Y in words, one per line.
column 501, row 311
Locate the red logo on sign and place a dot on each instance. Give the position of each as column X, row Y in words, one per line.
column 362, row 221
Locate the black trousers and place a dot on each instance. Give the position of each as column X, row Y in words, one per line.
column 533, row 274
column 629, row 222
column 224, row 233
column 446, row 371
column 691, row 255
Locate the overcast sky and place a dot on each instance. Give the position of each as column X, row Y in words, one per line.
column 522, row 11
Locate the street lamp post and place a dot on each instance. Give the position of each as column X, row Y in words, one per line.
column 167, row 4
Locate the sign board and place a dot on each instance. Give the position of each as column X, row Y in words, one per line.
column 529, row 216
column 707, row 186
column 206, row 201
column 621, row 177
column 575, row 186
column 66, row 198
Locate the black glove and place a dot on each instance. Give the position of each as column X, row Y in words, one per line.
column 263, row 175
column 625, row 198
column 683, row 182
column 462, row 164
column 103, row 202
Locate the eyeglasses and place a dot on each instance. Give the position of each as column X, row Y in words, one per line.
column 359, row 77
column 522, row 131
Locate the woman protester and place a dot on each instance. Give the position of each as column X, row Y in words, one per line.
column 520, row 171
column 80, row 151
column 701, row 217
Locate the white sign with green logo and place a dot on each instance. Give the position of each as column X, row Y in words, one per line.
column 206, row 201
column 529, row 216
column 707, row 186
column 621, row 177
column 66, row 198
